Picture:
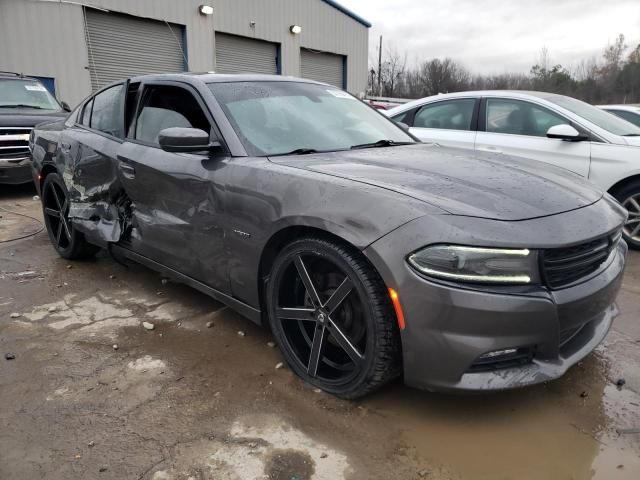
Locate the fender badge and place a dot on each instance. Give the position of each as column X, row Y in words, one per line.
column 242, row 234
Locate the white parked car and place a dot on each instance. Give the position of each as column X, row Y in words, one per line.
column 631, row 113
column 551, row 128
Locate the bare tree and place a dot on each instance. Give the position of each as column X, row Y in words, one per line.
column 393, row 69
column 613, row 79
column 442, row 76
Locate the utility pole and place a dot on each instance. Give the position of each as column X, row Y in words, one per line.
column 380, row 68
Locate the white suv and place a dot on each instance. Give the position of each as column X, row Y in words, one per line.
column 550, row 128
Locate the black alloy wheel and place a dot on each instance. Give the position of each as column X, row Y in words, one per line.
column 332, row 317
column 65, row 239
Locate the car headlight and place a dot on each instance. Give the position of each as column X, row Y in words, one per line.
column 477, row 264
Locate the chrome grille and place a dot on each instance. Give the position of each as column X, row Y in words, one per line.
column 564, row 266
column 14, row 143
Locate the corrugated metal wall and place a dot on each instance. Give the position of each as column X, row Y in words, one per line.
column 122, row 46
column 323, row 28
column 48, row 38
column 235, row 54
column 322, row 67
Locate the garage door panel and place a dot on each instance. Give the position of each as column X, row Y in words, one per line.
column 236, row 54
column 122, row 46
column 322, row 67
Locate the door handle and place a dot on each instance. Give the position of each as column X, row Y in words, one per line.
column 128, row 171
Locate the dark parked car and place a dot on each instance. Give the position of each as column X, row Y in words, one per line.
column 24, row 102
column 368, row 254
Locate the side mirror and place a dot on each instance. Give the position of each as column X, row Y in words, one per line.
column 402, row 125
column 565, row 132
column 179, row 139
column 65, row 106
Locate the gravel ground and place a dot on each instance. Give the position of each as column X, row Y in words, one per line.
column 92, row 393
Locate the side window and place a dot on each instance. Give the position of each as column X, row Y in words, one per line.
column 130, row 105
column 106, row 114
column 402, row 117
column 164, row 107
column 516, row 117
column 85, row 118
column 449, row 114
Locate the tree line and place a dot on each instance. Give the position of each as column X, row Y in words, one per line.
column 612, row 78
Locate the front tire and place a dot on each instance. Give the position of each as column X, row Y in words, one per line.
column 67, row 241
column 629, row 197
column 332, row 318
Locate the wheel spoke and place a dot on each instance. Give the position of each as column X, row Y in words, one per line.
column 55, row 196
column 59, row 233
column 52, row 213
column 67, row 230
column 316, row 350
column 635, row 203
column 635, row 231
column 338, row 296
column 345, row 343
column 635, row 219
column 296, row 314
column 308, row 283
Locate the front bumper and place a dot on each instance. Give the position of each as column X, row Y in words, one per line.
column 15, row 174
column 449, row 327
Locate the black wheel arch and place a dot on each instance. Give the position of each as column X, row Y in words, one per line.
column 624, row 183
column 281, row 239
column 46, row 170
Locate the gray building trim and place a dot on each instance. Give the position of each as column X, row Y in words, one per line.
column 348, row 12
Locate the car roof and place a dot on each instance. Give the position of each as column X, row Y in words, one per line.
column 522, row 94
column 627, row 107
column 212, row 77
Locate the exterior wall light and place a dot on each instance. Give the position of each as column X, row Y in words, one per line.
column 295, row 29
column 205, row 10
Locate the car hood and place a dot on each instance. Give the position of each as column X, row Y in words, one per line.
column 28, row 117
column 458, row 181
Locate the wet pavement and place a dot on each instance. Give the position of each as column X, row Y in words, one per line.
column 93, row 394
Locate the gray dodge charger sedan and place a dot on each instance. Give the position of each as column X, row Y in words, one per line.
column 369, row 255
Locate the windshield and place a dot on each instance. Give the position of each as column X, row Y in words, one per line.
column 276, row 118
column 602, row 119
column 24, row 93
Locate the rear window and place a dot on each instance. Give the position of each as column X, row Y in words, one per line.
column 107, row 113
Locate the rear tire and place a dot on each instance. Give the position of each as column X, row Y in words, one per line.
column 629, row 197
column 343, row 338
column 67, row 241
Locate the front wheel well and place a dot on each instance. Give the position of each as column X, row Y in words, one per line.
column 624, row 183
column 282, row 238
column 46, row 170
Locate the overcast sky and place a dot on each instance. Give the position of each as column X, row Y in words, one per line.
column 497, row 36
